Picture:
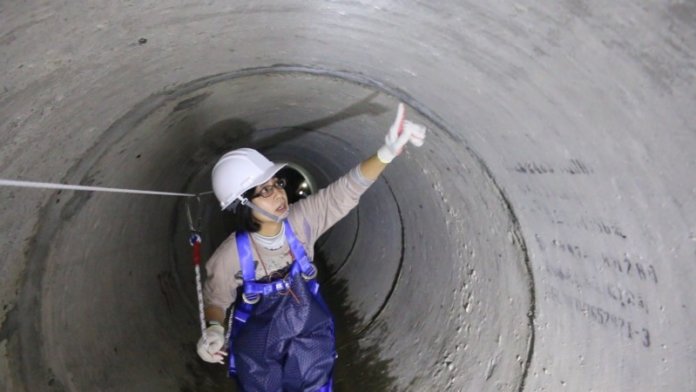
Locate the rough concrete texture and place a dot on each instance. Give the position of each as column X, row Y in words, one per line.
column 543, row 239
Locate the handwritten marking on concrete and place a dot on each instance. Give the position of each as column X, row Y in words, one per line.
column 593, row 225
column 625, row 266
column 546, row 193
column 572, row 249
column 573, row 167
column 602, row 317
column 586, row 223
column 615, row 292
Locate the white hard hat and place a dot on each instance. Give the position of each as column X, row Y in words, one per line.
column 238, row 171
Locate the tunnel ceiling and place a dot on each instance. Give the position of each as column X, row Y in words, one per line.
column 543, row 238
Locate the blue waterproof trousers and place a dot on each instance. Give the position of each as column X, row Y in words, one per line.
column 287, row 341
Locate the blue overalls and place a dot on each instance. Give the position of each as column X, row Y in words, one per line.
column 282, row 336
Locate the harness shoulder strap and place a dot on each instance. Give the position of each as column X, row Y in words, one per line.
column 246, row 257
column 246, row 264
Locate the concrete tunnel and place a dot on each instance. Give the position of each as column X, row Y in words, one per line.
column 543, row 239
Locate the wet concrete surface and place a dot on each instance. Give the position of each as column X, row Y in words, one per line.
column 543, row 239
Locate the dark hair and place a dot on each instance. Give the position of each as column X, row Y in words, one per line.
column 241, row 217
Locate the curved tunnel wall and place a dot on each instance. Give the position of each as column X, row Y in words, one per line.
column 577, row 115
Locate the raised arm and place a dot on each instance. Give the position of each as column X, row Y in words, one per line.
column 326, row 207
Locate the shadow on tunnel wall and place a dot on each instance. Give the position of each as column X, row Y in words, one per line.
column 358, row 362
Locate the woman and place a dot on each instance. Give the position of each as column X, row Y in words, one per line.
column 282, row 337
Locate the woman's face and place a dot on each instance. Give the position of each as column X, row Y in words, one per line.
column 271, row 197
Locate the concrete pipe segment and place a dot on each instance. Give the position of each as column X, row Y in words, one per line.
column 543, row 239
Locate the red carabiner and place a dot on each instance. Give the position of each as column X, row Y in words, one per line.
column 195, row 242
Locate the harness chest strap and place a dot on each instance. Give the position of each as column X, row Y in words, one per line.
column 251, row 288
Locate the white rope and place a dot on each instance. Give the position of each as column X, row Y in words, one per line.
column 49, row 185
column 199, row 294
column 228, row 335
column 196, row 238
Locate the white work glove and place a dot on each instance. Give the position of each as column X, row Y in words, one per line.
column 400, row 133
column 417, row 133
column 210, row 344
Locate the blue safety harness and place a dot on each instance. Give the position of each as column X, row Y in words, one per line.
column 296, row 331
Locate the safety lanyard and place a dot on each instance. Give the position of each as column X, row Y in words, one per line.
column 195, row 241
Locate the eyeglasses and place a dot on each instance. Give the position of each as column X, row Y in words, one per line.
column 268, row 190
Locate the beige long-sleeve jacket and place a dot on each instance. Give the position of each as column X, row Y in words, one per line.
column 309, row 218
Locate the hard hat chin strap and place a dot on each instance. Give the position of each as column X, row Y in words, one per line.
column 275, row 218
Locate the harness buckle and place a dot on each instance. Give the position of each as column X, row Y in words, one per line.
column 282, row 287
column 251, row 299
column 312, row 272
